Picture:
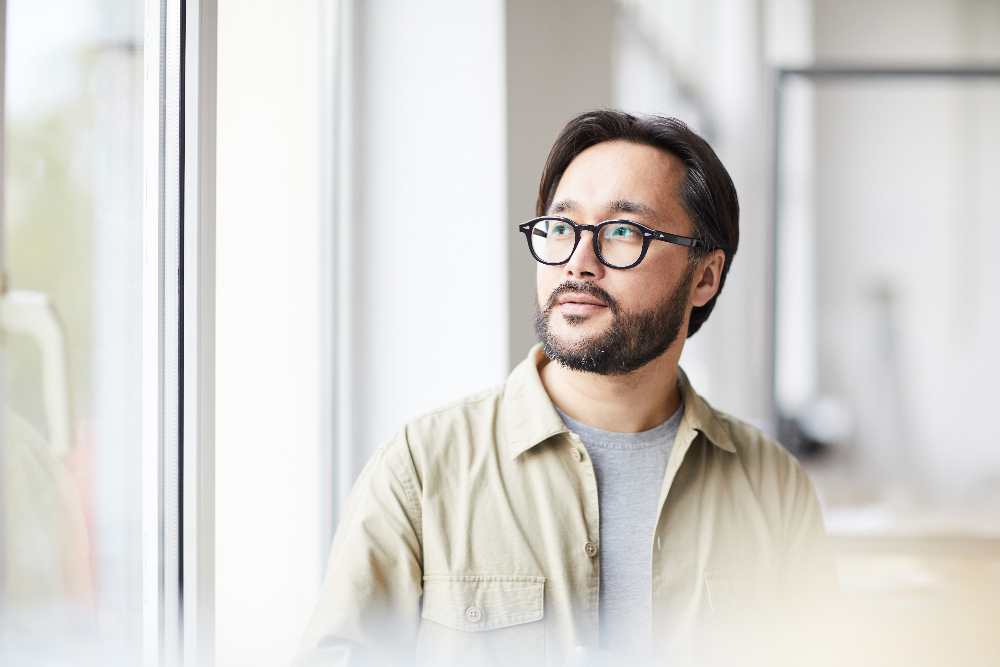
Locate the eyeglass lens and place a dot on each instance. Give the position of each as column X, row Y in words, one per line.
column 620, row 244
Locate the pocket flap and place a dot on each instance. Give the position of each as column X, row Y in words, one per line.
column 483, row 603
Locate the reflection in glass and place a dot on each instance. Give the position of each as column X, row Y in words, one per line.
column 73, row 227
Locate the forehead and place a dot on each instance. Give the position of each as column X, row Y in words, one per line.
column 612, row 172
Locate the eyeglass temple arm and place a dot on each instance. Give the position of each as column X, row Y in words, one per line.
column 679, row 240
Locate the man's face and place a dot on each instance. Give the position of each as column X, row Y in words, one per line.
column 613, row 321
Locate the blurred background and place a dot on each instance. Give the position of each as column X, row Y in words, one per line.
column 354, row 137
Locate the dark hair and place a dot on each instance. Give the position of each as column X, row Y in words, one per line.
column 707, row 193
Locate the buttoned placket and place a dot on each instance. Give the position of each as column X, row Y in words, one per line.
column 590, row 543
column 591, row 548
column 657, row 563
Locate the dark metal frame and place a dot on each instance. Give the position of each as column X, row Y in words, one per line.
column 647, row 236
column 824, row 74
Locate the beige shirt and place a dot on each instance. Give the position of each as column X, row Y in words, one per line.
column 471, row 538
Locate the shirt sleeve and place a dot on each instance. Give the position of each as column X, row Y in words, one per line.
column 808, row 568
column 811, row 611
column 368, row 612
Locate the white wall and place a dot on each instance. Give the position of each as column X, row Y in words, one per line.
column 425, row 224
column 269, row 356
column 421, row 270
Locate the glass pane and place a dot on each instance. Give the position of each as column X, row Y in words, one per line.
column 621, row 244
column 553, row 240
column 73, row 230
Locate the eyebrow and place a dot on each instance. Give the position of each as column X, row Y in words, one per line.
column 626, row 206
column 562, row 206
column 617, row 206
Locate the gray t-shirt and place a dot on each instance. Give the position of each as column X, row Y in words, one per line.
column 629, row 468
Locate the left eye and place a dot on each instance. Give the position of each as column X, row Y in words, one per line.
column 621, row 231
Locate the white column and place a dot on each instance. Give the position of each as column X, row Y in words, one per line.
column 427, row 221
column 269, row 352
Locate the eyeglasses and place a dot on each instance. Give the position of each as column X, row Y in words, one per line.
column 618, row 244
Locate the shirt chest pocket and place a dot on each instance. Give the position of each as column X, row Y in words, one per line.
column 482, row 620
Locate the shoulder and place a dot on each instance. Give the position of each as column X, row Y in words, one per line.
column 751, row 443
column 468, row 417
column 472, row 407
column 29, row 456
column 758, row 454
column 450, row 435
column 768, row 466
column 779, row 486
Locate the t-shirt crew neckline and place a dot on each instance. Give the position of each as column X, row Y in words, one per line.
column 595, row 437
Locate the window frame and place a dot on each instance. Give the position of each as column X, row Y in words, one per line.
column 179, row 332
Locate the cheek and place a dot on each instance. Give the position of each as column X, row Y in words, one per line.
column 546, row 280
column 639, row 291
column 650, row 279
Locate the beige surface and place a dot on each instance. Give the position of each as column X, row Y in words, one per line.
column 932, row 600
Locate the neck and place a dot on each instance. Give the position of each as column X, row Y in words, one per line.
column 630, row 403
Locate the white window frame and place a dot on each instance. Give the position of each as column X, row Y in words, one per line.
column 3, row 293
column 179, row 332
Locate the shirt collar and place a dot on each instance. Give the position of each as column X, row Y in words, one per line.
column 531, row 418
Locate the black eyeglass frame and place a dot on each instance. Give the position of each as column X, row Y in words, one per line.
column 647, row 236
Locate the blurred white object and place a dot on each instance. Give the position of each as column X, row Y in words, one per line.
column 826, row 419
column 31, row 313
column 873, row 519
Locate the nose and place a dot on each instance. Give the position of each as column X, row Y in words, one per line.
column 584, row 263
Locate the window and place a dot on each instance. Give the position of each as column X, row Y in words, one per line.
column 107, row 356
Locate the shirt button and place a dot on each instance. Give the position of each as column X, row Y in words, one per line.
column 590, row 548
column 575, row 453
column 473, row 614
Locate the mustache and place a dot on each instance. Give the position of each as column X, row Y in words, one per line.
column 581, row 287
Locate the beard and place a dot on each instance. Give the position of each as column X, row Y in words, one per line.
column 631, row 341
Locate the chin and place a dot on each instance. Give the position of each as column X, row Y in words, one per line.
column 580, row 325
column 575, row 320
column 575, row 337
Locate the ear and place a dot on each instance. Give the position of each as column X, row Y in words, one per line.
column 707, row 278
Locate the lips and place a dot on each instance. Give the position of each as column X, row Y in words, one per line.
column 580, row 299
column 580, row 305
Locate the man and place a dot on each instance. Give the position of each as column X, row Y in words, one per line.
column 593, row 509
